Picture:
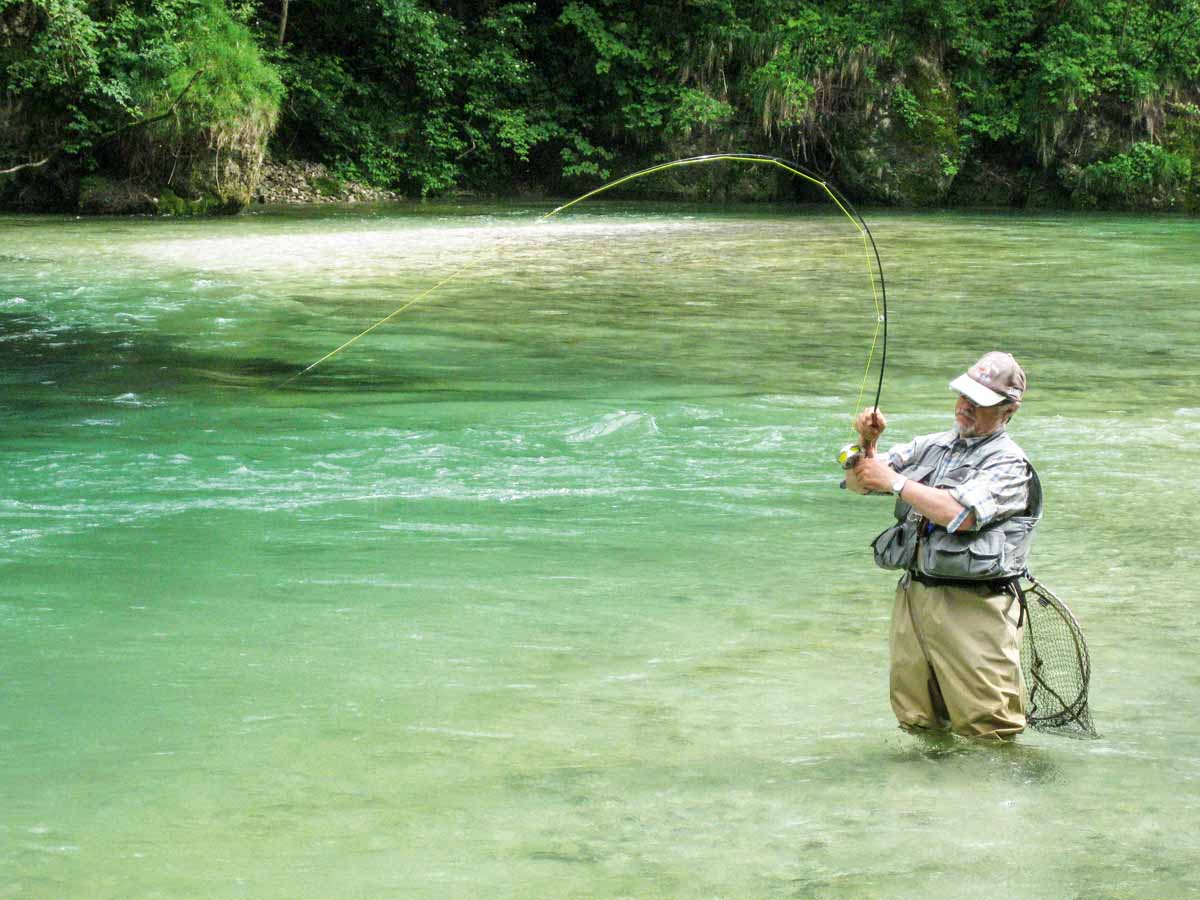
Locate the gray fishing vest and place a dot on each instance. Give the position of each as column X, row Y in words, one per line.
column 998, row 550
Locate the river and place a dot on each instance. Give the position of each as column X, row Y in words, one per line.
column 546, row 588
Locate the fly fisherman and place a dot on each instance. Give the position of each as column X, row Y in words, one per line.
column 967, row 501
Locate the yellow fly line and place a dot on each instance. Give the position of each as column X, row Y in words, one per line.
column 874, row 272
column 838, row 201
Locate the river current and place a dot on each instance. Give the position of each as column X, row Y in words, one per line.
column 546, row 587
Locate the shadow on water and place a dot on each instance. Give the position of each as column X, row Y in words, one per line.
column 34, row 351
column 46, row 365
column 37, row 351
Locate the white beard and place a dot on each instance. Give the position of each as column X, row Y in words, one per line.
column 972, row 432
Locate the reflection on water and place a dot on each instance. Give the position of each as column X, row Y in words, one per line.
column 546, row 588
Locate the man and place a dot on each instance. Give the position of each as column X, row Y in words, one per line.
column 967, row 501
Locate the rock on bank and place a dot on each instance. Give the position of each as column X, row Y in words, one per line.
column 298, row 181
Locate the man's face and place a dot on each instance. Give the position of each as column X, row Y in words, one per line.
column 976, row 421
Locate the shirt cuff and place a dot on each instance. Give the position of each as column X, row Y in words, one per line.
column 974, row 498
column 957, row 521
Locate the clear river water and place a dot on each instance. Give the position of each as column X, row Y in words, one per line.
column 546, row 588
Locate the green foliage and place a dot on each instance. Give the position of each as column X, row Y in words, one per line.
column 898, row 97
column 633, row 53
column 424, row 98
column 810, row 49
column 582, row 158
column 327, row 186
column 59, row 53
column 1147, row 177
column 235, row 81
column 908, row 106
column 93, row 70
column 51, row 63
column 431, row 101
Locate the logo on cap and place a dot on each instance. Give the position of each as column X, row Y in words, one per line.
column 983, row 373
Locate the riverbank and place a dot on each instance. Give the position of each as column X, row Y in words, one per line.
column 299, row 181
column 306, row 183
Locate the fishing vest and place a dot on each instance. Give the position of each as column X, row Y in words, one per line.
column 998, row 550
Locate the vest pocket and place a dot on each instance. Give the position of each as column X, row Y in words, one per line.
column 970, row 556
column 895, row 547
column 1018, row 536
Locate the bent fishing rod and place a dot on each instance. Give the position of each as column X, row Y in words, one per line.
column 874, row 265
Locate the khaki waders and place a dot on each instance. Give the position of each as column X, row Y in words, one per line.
column 956, row 659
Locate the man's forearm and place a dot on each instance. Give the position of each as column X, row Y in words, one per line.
column 936, row 504
column 872, row 473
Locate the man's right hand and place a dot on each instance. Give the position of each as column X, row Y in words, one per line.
column 870, row 424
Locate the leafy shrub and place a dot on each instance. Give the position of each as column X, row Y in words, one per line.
column 122, row 83
column 1147, row 177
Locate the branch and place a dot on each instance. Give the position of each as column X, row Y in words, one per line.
column 32, row 165
column 170, row 111
column 129, row 126
column 466, row 152
column 283, row 13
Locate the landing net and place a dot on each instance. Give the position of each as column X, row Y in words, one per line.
column 1057, row 668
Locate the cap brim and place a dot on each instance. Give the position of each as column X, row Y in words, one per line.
column 975, row 391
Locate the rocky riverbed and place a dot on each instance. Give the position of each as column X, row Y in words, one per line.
column 298, row 181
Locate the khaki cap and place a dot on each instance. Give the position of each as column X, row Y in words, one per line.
column 995, row 379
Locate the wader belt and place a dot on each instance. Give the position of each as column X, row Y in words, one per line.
column 996, row 585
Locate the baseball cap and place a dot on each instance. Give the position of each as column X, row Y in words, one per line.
column 995, row 379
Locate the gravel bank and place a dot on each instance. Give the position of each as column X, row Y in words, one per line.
column 296, row 181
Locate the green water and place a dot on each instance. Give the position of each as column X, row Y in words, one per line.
column 546, row 588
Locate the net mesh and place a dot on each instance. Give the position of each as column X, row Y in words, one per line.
column 1057, row 668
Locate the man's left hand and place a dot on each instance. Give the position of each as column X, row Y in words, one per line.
column 873, row 474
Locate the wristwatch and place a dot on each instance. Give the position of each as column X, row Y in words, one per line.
column 898, row 485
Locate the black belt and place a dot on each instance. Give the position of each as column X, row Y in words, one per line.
column 998, row 584
column 1011, row 585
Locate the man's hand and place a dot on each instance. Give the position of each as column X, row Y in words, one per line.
column 938, row 505
column 870, row 424
column 872, row 474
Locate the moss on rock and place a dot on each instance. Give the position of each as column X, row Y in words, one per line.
column 168, row 203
